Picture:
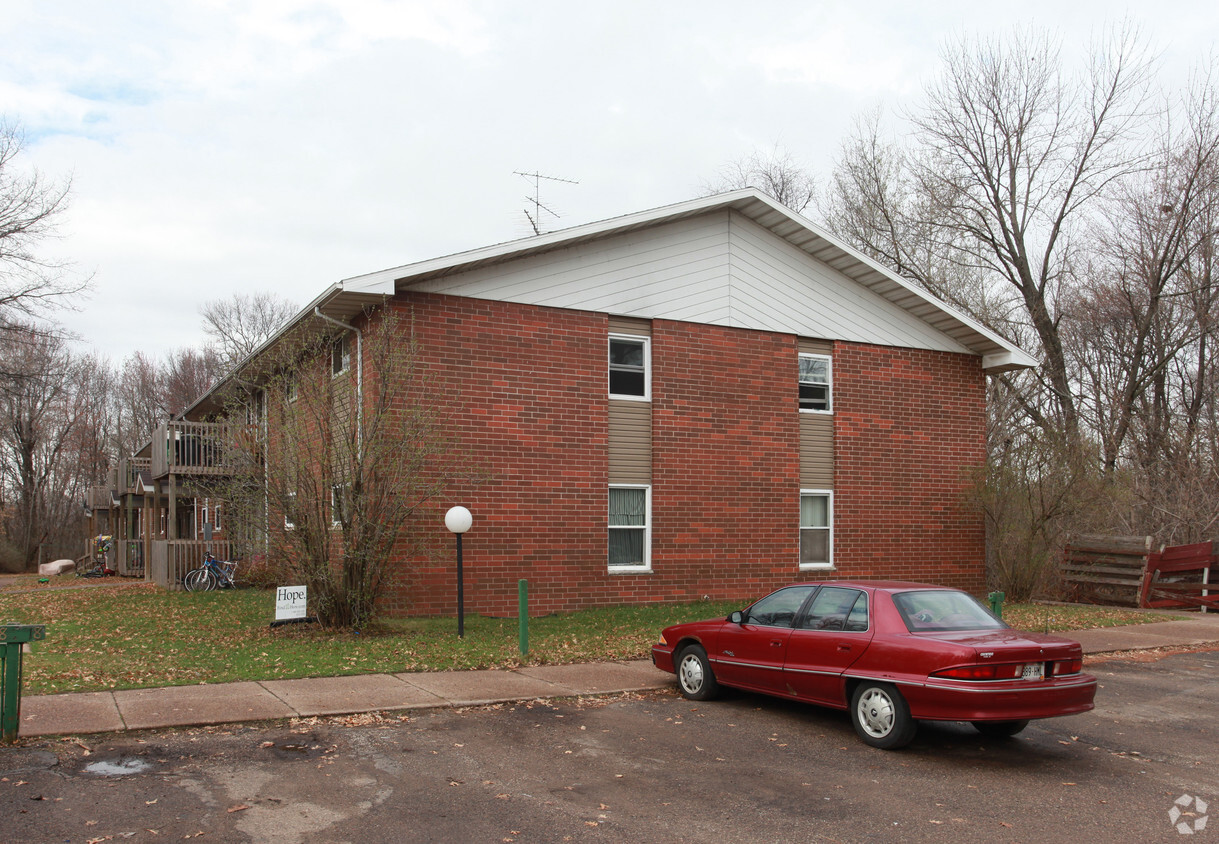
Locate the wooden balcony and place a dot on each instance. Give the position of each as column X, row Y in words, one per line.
column 129, row 474
column 200, row 448
column 98, row 498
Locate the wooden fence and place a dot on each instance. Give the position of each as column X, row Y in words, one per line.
column 173, row 558
column 1180, row 577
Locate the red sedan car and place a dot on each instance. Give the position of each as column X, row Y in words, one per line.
column 890, row 654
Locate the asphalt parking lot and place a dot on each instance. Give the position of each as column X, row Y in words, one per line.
column 640, row 767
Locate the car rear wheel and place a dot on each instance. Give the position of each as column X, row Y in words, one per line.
column 1000, row 729
column 694, row 675
column 881, row 716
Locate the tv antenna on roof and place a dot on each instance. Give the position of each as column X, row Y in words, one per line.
column 535, row 219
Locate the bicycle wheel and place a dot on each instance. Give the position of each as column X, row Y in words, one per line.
column 199, row 580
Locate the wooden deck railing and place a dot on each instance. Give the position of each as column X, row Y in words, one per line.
column 129, row 473
column 198, row 448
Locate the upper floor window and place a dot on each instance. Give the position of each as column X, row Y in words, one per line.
column 340, row 356
column 815, row 383
column 629, row 367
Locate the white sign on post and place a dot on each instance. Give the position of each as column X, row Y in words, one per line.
column 290, row 602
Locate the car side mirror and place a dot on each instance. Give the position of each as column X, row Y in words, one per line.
column 737, row 617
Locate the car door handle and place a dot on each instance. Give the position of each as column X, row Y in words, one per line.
column 776, row 643
column 844, row 648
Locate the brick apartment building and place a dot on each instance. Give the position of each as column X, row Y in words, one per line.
column 711, row 399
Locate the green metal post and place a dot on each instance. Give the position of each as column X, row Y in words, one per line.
column 13, row 638
column 522, row 603
column 996, row 603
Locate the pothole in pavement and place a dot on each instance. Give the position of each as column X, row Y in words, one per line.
column 121, row 767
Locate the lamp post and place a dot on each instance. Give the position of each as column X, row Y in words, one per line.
column 458, row 521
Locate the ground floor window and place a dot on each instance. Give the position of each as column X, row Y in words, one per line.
column 816, row 529
column 630, row 528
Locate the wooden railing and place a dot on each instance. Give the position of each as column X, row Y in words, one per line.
column 199, row 448
column 129, row 473
column 173, row 558
column 98, row 498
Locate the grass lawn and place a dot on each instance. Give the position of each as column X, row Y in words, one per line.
column 136, row 635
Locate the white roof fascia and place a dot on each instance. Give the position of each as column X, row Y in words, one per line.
column 997, row 353
column 357, row 292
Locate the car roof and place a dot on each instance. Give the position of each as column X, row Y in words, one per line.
column 880, row 585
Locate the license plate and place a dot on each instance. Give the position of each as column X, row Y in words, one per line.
column 1033, row 671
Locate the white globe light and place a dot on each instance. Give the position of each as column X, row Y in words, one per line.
column 458, row 519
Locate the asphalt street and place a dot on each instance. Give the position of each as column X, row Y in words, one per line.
column 639, row 767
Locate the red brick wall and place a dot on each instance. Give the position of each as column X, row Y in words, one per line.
column 725, row 462
column 523, row 391
column 909, row 425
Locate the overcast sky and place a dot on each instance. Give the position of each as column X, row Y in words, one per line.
column 219, row 147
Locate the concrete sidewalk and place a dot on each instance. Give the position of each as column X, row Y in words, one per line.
column 184, row 706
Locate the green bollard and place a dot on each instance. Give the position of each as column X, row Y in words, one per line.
column 522, row 603
column 996, row 603
column 13, row 637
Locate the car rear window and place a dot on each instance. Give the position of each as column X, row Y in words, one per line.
column 929, row 610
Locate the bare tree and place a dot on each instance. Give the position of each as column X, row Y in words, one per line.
column 239, row 325
column 30, row 208
column 137, row 402
column 775, row 173
column 1007, row 157
column 188, row 374
column 348, row 458
column 40, row 439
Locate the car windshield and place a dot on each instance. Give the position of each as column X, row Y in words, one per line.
column 927, row 610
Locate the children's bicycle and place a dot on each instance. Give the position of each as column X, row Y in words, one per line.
column 101, row 548
column 213, row 574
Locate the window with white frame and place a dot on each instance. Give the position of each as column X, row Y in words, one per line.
column 815, row 383
column 290, row 387
column 629, row 367
column 340, row 355
column 338, row 504
column 816, row 529
column 289, row 512
column 630, row 528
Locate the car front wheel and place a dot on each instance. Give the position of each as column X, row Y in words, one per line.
column 694, row 675
column 881, row 716
column 1000, row 729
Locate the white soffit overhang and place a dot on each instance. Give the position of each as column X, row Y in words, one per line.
column 998, row 355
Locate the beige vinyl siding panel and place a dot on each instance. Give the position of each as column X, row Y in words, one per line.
column 809, row 346
column 816, row 451
column 630, row 442
column 718, row 268
column 629, row 325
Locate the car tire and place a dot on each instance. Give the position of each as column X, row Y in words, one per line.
column 694, row 675
column 1000, row 729
column 881, row 716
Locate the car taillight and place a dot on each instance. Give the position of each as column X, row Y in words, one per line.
column 1013, row 671
column 1068, row 666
